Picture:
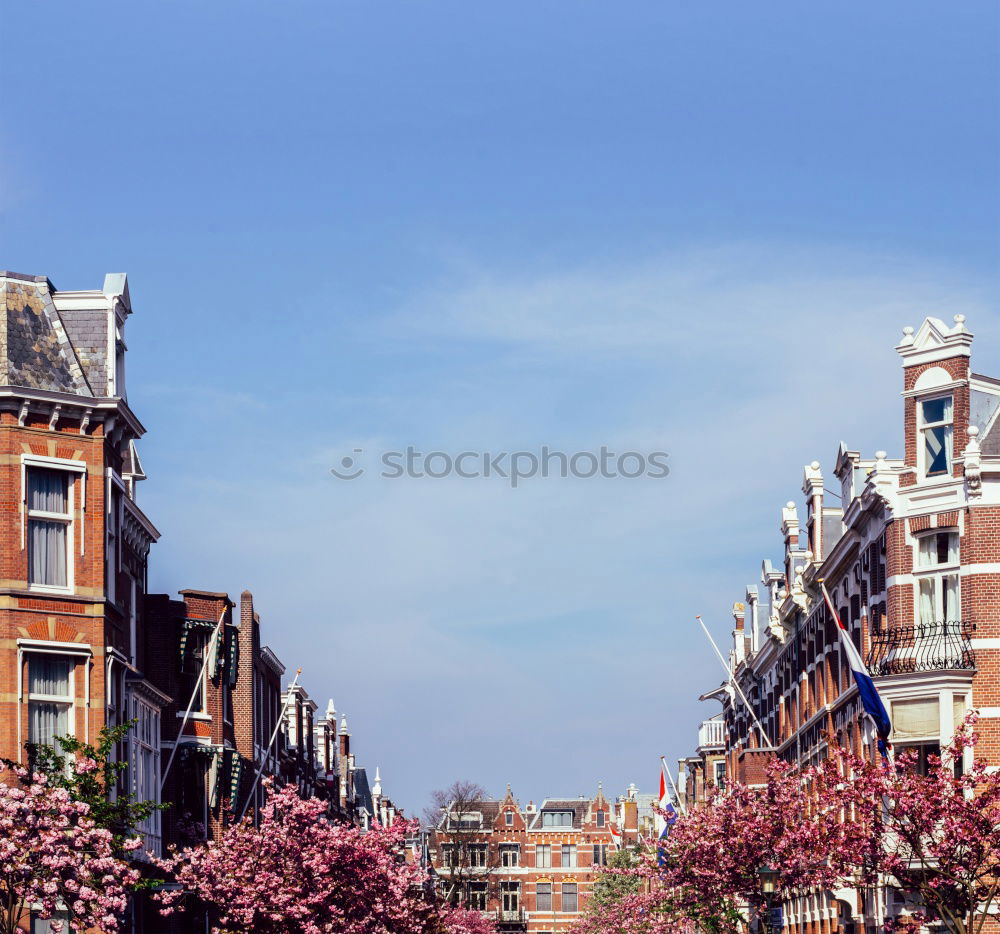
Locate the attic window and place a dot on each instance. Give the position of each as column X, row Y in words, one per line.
column 935, row 423
column 557, row 818
column 509, row 818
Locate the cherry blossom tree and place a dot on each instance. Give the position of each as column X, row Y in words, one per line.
column 299, row 873
column 705, row 875
column 54, row 858
column 936, row 835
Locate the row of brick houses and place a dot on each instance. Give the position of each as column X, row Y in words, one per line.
column 910, row 552
column 84, row 644
column 530, row 869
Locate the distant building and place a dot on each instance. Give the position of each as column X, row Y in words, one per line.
column 530, row 869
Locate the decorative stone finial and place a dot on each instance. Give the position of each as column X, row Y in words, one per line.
column 959, row 323
column 343, row 723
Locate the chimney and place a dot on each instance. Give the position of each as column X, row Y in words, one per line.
column 739, row 638
column 812, row 487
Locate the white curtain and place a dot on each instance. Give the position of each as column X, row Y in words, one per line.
column 47, row 721
column 48, row 675
column 926, row 608
column 952, row 609
column 47, row 552
column 47, row 490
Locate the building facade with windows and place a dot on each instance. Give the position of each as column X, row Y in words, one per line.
column 910, row 552
column 75, row 541
column 82, row 643
column 530, row 869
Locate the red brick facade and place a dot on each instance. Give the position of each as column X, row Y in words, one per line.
column 910, row 553
column 530, row 869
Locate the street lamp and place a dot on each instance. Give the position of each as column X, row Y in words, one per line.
column 769, row 885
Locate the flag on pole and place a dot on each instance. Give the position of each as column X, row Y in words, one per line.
column 662, row 801
column 870, row 698
column 616, row 835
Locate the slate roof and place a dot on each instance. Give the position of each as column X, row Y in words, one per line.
column 35, row 349
column 362, row 791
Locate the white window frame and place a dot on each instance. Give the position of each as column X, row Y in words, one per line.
column 200, row 712
column 68, row 700
column 937, row 573
column 543, row 855
column 923, row 427
column 137, row 709
column 73, row 469
column 508, row 850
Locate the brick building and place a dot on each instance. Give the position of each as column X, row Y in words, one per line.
column 910, row 552
column 530, row 869
column 75, row 543
column 82, row 644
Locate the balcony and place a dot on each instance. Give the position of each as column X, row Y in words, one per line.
column 711, row 735
column 945, row 645
column 510, row 919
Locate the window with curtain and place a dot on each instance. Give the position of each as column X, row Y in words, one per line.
column 543, row 896
column 936, row 434
column 50, row 698
column 557, row 818
column 600, row 854
column 570, row 899
column 48, row 526
column 568, row 855
column 543, row 856
column 916, row 719
column 937, row 548
column 938, row 595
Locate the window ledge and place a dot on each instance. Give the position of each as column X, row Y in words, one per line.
column 47, row 589
column 194, row 715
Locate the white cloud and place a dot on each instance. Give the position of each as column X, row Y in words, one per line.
column 467, row 609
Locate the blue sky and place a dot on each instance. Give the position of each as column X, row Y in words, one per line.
column 654, row 225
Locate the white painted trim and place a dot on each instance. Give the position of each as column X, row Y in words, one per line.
column 931, row 391
column 58, row 463
column 989, row 712
column 986, row 643
column 55, row 648
column 986, row 567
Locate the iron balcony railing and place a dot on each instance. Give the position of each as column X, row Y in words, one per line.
column 944, row 645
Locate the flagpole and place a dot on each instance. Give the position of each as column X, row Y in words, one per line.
column 735, row 684
column 670, row 778
column 883, row 741
column 267, row 751
column 198, row 686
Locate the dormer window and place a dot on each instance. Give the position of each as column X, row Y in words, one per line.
column 557, row 818
column 935, row 425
